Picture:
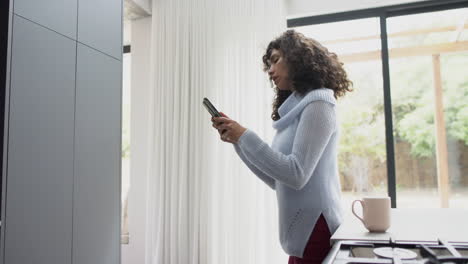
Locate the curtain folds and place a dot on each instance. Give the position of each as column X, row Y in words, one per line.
column 204, row 205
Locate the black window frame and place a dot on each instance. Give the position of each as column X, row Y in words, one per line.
column 383, row 13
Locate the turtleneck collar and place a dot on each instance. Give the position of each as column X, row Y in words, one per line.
column 293, row 99
column 295, row 103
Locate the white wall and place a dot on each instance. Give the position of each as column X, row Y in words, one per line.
column 300, row 8
column 127, row 32
column 134, row 252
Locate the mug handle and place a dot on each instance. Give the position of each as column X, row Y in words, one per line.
column 352, row 208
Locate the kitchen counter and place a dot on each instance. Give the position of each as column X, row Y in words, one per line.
column 422, row 225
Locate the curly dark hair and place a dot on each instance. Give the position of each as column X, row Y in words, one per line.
column 311, row 66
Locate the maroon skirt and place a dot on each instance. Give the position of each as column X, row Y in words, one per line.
column 318, row 245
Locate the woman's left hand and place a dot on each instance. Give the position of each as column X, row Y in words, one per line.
column 228, row 129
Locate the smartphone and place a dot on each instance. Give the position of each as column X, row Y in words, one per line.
column 211, row 109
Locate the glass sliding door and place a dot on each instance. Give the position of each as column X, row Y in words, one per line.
column 362, row 153
column 428, row 55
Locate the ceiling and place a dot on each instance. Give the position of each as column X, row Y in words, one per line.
column 133, row 10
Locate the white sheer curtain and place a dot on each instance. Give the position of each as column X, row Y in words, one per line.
column 204, row 205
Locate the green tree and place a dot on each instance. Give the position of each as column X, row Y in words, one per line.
column 413, row 105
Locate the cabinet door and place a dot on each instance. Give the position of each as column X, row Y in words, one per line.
column 38, row 219
column 96, row 225
column 100, row 25
column 58, row 15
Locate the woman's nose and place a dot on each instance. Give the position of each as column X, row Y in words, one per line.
column 270, row 70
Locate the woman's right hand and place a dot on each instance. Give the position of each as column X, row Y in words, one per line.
column 229, row 130
column 216, row 124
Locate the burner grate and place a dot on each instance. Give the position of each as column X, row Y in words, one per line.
column 435, row 257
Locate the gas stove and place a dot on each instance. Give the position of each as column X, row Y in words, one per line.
column 358, row 252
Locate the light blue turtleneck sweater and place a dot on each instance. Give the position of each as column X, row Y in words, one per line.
column 301, row 165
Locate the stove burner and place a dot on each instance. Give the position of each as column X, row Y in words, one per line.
column 401, row 253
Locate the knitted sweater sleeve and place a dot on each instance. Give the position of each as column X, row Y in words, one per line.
column 317, row 124
column 260, row 174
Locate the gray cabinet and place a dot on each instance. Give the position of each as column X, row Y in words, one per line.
column 63, row 133
column 96, row 225
column 100, row 25
column 38, row 220
column 58, row 15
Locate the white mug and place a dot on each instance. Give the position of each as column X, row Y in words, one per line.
column 376, row 213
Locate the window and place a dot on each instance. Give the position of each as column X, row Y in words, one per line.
column 429, row 85
column 404, row 130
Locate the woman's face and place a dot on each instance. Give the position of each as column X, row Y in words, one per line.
column 278, row 71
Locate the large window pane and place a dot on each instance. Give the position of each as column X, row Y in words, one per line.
column 431, row 150
column 362, row 153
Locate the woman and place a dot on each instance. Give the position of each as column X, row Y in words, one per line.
column 301, row 164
